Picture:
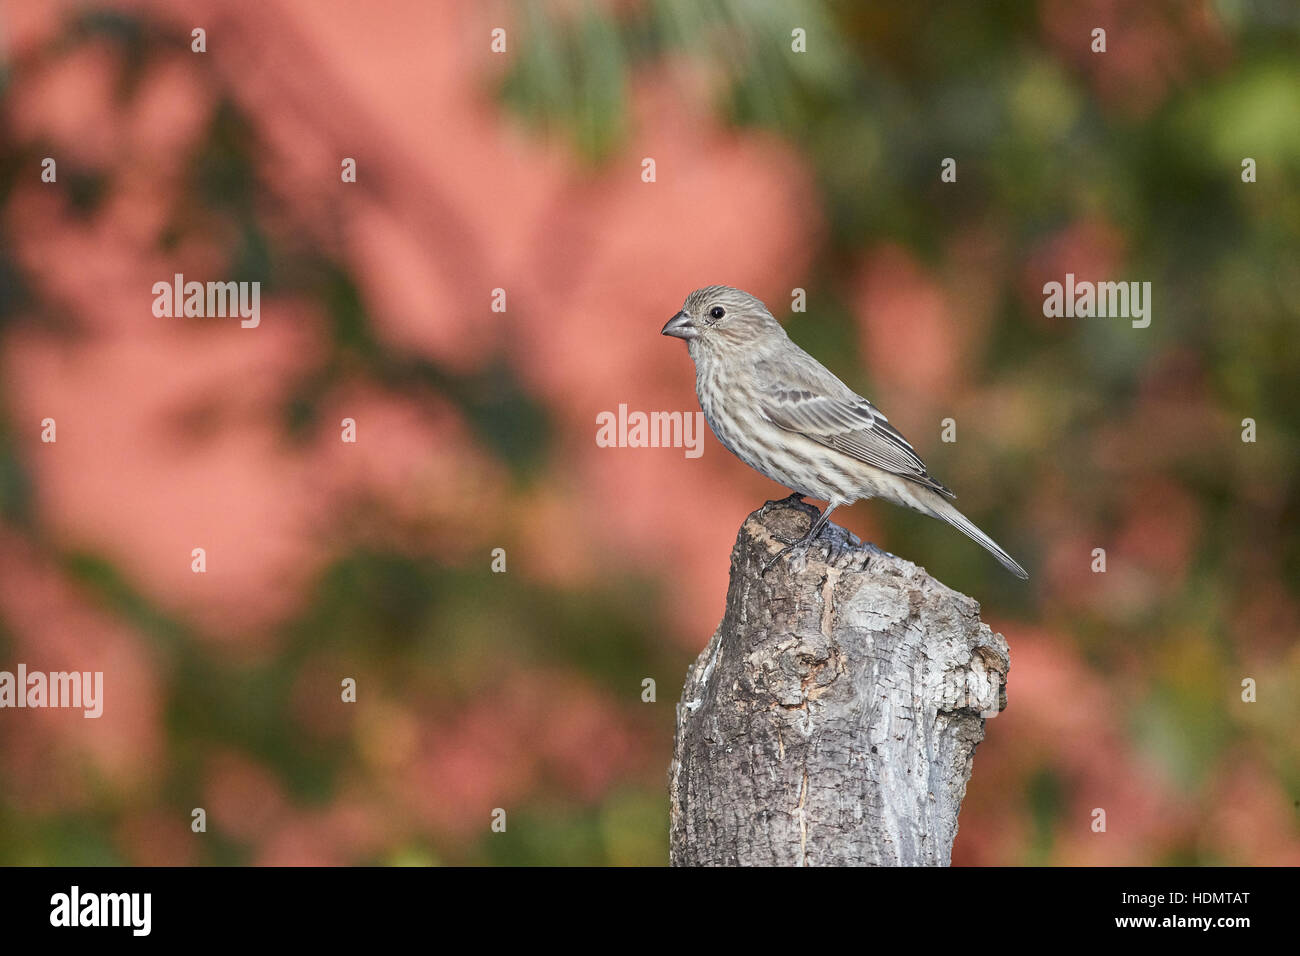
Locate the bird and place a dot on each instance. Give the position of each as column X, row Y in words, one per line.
column 787, row 416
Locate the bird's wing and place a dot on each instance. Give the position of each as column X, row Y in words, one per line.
column 803, row 397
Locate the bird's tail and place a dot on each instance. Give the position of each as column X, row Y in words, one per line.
column 941, row 508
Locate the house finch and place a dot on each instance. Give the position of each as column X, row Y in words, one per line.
column 778, row 410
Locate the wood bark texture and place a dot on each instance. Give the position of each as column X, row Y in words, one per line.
column 834, row 715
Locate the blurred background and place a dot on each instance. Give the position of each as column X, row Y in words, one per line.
column 775, row 170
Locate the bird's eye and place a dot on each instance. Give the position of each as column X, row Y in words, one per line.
column 717, row 312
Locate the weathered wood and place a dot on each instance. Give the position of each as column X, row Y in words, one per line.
column 833, row 717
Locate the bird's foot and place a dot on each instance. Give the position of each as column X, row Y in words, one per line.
column 780, row 554
column 801, row 545
column 790, row 499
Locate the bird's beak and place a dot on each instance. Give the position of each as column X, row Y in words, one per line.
column 680, row 326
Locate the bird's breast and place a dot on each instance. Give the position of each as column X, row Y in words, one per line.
column 734, row 413
column 717, row 393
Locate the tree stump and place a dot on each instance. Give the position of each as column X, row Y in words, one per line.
column 833, row 717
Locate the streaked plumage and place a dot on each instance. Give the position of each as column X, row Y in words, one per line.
column 780, row 411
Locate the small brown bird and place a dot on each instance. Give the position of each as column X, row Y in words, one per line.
column 778, row 410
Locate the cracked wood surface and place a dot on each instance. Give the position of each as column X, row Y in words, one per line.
column 833, row 717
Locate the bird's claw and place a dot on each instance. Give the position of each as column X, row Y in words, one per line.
column 792, row 498
column 775, row 558
column 816, row 528
column 801, row 544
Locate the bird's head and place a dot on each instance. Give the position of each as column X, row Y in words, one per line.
column 718, row 316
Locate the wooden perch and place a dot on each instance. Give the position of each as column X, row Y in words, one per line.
column 834, row 715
